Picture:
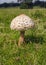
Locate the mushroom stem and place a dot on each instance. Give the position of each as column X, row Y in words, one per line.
column 21, row 39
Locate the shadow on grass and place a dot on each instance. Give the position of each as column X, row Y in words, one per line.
column 34, row 39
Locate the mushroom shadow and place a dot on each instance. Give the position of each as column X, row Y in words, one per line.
column 34, row 39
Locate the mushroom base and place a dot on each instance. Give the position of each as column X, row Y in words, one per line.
column 21, row 39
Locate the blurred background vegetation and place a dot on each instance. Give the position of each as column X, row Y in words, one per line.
column 24, row 4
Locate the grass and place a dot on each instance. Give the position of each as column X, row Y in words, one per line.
column 31, row 53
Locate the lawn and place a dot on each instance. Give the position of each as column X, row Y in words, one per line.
column 33, row 52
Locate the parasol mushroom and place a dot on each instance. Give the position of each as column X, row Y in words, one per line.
column 21, row 23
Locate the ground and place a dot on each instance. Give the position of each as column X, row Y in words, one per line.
column 33, row 52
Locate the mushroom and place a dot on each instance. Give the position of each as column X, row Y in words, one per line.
column 21, row 23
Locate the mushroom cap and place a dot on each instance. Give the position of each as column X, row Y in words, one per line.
column 21, row 23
